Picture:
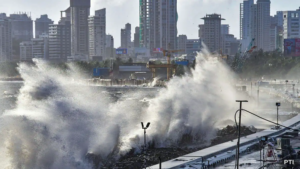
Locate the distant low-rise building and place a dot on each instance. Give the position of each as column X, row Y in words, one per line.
column 193, row 46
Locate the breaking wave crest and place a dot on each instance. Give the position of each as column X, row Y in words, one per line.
column 58, row 121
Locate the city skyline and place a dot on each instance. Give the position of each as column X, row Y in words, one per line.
column 120, row 12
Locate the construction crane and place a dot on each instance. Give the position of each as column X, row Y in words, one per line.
column 242, row 56
column 168, row 53
column 169, row 66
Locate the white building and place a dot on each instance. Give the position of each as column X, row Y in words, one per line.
column 26, row 51
column 97, row 34
column 291, row 24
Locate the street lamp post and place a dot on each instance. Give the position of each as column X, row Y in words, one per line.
column 144, row 148
column 239, row 134
column 277, row 105
column 294, row 90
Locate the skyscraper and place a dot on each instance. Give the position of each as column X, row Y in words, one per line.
column 60, row 38
column 5, row 39
column 263, row 24
column 42, row 25
column 137, row 37
column 80, row 11
column 22, row 27
column 97, row 34
column 212, row 32
column 126, row 36
column 158, row 24
column 245, row 15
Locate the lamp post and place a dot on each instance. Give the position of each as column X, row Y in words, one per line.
column 294, row 90
column 258, row 94
column 286, row 85
column 144, row 148
column 277, row 105
column 239, row 134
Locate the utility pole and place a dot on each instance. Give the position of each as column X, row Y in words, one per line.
column 239, row 134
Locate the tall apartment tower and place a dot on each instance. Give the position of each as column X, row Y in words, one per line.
column 5, row 38
column 60, row 38
column 212, row 32
column 137, row 37
column 126, row 36
column 22, row 27
column 245, row 22
column 42, row 25
column 291, row 22
column 263, row 24
column 80, row 11
column 158, row 24
column 97, row 34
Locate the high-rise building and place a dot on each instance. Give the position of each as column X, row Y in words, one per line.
column 109, row 41
column 201, row 31
column 5, row 39
column 291, row 24
column 137, row 37
column 126, row 36
column 245, row 19
column 158, row 24
column 212, row 32
column 110, row 46
column 224, row 29
column 22, row 30
column 22, row 27
column 181, row 43
column 97, row 34
column 60, row 38
column 42, row 25
column 40, row 47
column 80, row 11
column 26, row 51
column 263, row 24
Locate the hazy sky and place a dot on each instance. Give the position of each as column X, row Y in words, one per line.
column 120, row 12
